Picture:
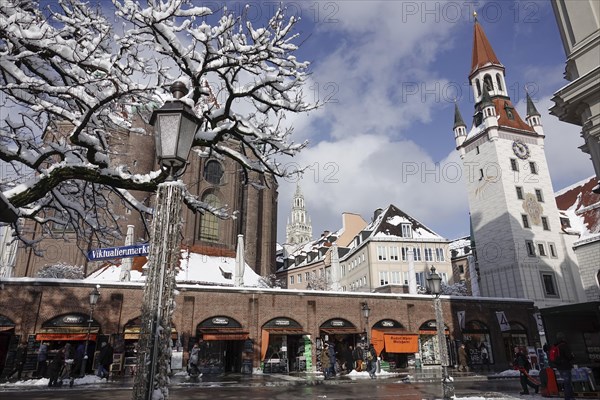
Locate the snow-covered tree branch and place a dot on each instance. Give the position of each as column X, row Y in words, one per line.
column 73, row 82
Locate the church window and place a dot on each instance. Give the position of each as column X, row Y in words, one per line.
column 552, row 248
column 539, row 196
column 541, row 249
column 478, row 84
column 209, row 223
column 213, row 172
column 514, row 165
column 499, row 81
column 530, row 248
column 487, row 80
column 545, row 224
column 533, row 168
column 549, row 284
column 519, row 190
column 525, row 219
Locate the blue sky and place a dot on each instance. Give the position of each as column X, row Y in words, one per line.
column 394, row 70
column 391, row 71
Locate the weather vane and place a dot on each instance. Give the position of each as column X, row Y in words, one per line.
column 475, row 15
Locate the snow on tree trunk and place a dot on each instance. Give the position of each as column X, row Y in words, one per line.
column 155, row 336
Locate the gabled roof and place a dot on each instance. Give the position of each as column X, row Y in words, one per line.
column 483, row 54
column 389, row 223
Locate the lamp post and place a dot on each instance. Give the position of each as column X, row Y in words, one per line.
column 94, row 296
column 434, row 281
column 175, row 126
column 366, row 311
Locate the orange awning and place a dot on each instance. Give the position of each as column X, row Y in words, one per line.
column 65, row 336
column 401, row 343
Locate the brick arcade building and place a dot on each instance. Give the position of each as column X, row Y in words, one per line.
column 241, row 329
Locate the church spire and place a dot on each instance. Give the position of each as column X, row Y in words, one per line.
column 460, row 128
column 531, row 110
column 299, row 228
column 533, row 117
column 483, row 53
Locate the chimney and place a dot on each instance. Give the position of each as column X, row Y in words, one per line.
column 377, row 213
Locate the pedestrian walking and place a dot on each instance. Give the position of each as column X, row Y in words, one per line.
column 561, row 358
column 20, row 357
column 332, row 358
column 42, row 360
column 357, row 354
column 463, row 360
column 371, row 361
column 348, row 358
column 193, row 369
column 55, row 368
column 326, row 362
column 522, row 364
column 485, row 360
column 104, row 360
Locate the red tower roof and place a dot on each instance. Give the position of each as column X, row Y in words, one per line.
column 483, row 54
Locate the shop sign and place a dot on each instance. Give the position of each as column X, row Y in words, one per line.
column 282, row 322
column 337, row 323
column 220, row 321
column 73, row 319
column 387, row 324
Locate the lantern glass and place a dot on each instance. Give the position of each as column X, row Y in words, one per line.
column 366, row 310
column 94, row 296
column 435, row 282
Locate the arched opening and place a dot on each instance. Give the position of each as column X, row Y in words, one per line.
column 222, row 345
column 478, row 86
column 499, row 82
column 487, row 82
column 429, row 347
column 478, row 343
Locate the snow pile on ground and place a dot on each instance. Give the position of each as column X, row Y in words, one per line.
column 509, row 373
column 86, row 380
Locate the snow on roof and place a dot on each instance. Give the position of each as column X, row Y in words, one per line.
column 460, row 243
column 581, row 206
column 198, row 268
column 387, row 224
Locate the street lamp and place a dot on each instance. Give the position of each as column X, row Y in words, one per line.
column 175, row 125
column 434, row 281
column 366, row 311
column 94, row 296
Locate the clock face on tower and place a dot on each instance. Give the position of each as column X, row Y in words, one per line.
column 520, row 149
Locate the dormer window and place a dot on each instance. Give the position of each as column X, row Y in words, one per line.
column 509, row 111
column 406, row 231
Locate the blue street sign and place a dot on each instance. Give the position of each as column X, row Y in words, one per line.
column 119, row 252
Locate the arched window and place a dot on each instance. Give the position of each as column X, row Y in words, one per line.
column 487, row 81
column 213, row 172
column 499, row 82
column 209, row 223
column 478, row 84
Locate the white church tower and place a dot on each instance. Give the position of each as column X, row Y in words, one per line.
column 299, row 229
column 516, row 224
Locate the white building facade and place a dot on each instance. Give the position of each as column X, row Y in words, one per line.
column 515, row 220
